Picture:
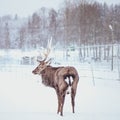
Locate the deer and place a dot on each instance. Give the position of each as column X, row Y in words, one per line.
column 60, row 78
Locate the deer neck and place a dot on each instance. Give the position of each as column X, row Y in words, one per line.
column 44, row 72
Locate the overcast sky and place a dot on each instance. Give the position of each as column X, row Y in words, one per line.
column 27, row 7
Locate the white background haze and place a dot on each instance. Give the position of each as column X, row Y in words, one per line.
column 24, row 8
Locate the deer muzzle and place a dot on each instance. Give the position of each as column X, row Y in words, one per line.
column 34, row 72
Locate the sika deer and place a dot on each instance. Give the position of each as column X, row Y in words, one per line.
column 56, row 77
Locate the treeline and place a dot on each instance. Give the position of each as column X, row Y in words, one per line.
column 76, row 23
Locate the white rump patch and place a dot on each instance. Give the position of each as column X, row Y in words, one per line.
column 69, row 87
column 67, row 80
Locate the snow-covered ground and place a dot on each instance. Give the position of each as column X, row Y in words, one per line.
column 24, row 97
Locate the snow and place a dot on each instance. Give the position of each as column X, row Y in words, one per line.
column 24, row 97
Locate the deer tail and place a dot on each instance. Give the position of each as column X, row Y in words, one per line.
column 70, row 79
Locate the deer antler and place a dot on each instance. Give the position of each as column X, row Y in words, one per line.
column 47, row 51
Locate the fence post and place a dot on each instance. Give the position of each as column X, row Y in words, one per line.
column 118, row 64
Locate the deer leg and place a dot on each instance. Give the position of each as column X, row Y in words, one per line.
column 73, row 93
column 59, row 103
column 58, row 97
column 58, row 106
column 62, row 99
column 62, row 93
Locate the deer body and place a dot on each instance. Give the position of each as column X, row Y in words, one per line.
column 55, row 77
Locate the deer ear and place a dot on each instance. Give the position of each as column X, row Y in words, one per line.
column 38, row 60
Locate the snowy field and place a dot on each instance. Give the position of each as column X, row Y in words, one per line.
column 24, row 97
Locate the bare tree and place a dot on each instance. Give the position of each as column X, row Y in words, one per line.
column 7, row 36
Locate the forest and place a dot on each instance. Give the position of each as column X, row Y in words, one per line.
column 76, row 24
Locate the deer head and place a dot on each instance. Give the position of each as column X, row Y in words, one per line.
column 42, row 65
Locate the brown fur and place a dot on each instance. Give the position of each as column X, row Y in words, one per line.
column 55, row 77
